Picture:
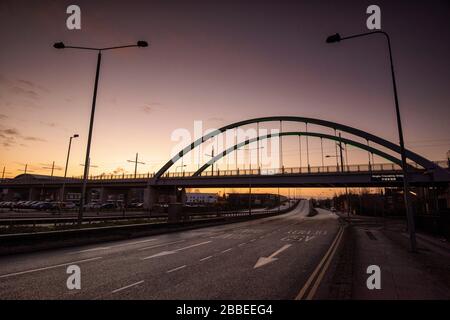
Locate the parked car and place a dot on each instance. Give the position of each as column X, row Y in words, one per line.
column 136, row 205
column 108, row 205
column 92, row 205
column 36, row 205
column 69, row 205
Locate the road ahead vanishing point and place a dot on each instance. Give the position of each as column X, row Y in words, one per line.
column 281, row 257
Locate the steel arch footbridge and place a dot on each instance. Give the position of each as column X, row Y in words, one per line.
column 421, row 171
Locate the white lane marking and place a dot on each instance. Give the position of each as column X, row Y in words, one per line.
column 47, row 268
column 265, row 260
column 206, row 258
column 252, row 240
column 113, row 246
column 242, row 244
column 165, row 253
column 175, row 269
column 90, row 250
column 129, row 286
column 133, row 243
column 229, row 249
column 161, row 245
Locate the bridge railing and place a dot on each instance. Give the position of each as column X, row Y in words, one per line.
column 296, row 170
column 376, row 167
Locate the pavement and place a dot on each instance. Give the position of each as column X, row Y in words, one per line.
column 404, row 275
column 282, row 257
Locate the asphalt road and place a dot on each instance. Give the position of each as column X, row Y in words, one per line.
column 281, row 257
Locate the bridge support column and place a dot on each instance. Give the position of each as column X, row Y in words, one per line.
column 32, row 194
column 103, row 195
column 150, row 197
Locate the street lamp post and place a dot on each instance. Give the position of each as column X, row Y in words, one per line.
column 181, row 169
column 409, row 214
column 67, row 164
column 61, row 45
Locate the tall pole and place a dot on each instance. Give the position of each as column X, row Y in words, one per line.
column 342, row 170
column 409, row 214
column 88, row 149
column 53, row 168
column 136, row 162
column 67, row 165
column 257, row 141
column 135, row 165
column 68, row 155
column 307, row 148
column 3, row 173
column 250, row 198
column 212, row 156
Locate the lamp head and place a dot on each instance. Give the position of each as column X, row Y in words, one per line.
column 142, row 44
column 59, row 45
column 75, row 135
column 334, row 38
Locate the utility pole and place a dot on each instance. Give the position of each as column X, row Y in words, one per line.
column 89, row 166
column 52, row 168
column 136, row 164
column 67, row 164
column 212, row 157
column 250, row 198
column 342, row 170
column 26, row 169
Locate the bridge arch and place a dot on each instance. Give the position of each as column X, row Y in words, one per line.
column 423, row 162
column 297, row 133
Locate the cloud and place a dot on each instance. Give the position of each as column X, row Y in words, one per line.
column 30, row 94
column 119, row 170
column 3, row 116
column 21, row 92
column 49, row 166
column 216, row 119
column 150, row 107
column 10, row 136
column 29, row 138
column 10, row 132
column 49, row 124
column 33, row 85
column 146, row 109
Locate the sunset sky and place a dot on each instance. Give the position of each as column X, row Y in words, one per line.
column 216, row 62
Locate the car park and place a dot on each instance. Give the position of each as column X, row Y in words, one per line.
column 108, row 205
column 69, row 205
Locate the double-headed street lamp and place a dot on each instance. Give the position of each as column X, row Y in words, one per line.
column 61, row 45
column 409, row 214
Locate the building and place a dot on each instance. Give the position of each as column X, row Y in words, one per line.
column 257, row 199
column 201, row 198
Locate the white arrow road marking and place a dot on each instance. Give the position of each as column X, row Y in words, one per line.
column 265, row 260
column 165, row 253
